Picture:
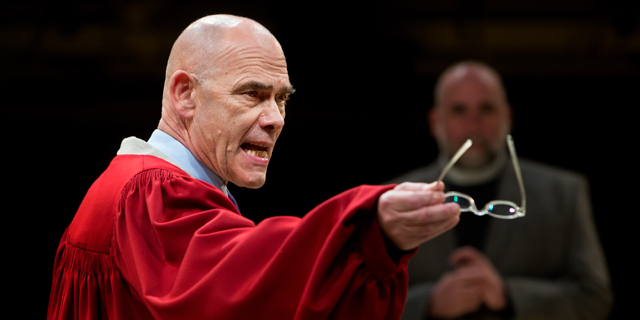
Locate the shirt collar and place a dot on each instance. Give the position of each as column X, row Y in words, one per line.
column 474, row 176
column 183, row 157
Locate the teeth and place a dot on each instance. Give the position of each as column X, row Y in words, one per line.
column 257, row 153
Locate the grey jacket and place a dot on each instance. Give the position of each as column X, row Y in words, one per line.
column 551, row 259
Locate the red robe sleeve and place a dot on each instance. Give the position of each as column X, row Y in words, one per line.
column 188, row 254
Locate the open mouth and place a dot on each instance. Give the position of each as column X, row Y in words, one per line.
column 255, row 150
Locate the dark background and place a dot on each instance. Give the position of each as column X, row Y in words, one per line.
column 78, row 77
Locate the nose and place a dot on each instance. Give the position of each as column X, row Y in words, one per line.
column 272, row 117
column 473, row 122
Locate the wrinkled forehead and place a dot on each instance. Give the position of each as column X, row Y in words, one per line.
column 248, row 55
column 249, row 40
column 246, row 47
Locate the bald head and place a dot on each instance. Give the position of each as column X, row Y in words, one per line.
column 224, row 95
column 196, row 49
column 471, row 103
column 469, row 70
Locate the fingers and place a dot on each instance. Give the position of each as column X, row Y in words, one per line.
column 413, row 213
column 481, row 274
column 454, row 296
column 472, row 275
column 430, row 214
column 466, row 255
column 409, row 200
column 429, row 222
column 409, row 229
column 419, row 186
column 472, row 263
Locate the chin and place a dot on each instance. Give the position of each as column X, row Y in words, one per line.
column 256, row 185
column 251, row 182
column 476, row 160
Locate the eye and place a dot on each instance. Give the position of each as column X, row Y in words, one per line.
column 487, row 109
column 253, row 93
column 458, row 110
column 282, row 98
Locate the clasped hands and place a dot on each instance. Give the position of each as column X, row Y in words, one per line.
column 472, row 283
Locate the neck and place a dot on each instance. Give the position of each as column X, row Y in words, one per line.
column 167, row 128
column 462, row 176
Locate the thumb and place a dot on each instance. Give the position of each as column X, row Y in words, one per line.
column 420, row 186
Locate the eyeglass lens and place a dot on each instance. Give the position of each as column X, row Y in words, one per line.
column 495, row 209
column 463, row 202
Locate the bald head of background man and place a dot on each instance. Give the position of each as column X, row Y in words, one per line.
column 224, row 96
column 471, row 103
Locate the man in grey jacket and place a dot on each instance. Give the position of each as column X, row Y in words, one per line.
column 546, row 265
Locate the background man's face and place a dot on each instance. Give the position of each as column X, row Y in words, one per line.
column 471, row 108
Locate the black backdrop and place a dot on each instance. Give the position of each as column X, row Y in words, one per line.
column 358, row 117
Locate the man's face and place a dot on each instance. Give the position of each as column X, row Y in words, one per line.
column 240, row 111
column 471, row 108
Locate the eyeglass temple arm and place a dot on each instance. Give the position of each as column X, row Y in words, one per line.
column 455, row 158
column 516, row 167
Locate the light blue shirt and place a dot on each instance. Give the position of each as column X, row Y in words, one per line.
column 185, row 159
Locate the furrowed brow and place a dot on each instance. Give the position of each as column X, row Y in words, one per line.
column 255, row 85
column 288, row 90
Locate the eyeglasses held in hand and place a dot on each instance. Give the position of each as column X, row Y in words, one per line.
column 501, row 209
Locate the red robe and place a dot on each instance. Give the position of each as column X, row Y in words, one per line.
column 149, row 241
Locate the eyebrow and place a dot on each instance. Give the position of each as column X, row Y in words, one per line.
column 255, row 85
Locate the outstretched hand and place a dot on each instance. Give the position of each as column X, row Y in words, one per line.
column 413, row 213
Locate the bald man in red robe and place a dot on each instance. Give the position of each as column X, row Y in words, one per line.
column 158, row 236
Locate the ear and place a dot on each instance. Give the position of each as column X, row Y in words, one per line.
column 182, row 88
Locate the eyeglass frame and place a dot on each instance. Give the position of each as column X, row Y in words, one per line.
column 520, row 211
